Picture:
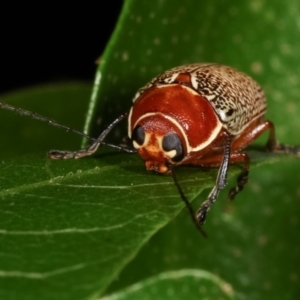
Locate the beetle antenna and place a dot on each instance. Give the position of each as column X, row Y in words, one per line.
column 89, row 150
column 24, row 112
column 56, row 154
column 187, row 203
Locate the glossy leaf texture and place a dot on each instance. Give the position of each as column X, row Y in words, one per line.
column 69, row 229
column 183, row 284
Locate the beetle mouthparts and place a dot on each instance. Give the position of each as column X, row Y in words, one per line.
column 157, row 167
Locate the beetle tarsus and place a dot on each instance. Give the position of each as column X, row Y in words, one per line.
column 241, row 181
column 286, row 149
column 201, row 216
column 205, row 206
column 91, row 149
column 274, row 146
column 57, row 154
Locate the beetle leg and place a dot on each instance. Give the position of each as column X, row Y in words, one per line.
column 274, row 146
column 243, row 177
column 252, row 132
column 241, row 181
column 255, row 130
column 287, row 149
column 57, row 154
column 220, row 184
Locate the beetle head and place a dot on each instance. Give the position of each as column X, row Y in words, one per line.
column 159, row 142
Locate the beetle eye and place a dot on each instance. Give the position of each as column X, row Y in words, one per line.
column 171, row 143
column 138, row 136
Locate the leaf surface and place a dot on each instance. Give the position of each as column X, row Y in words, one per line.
column 69, row 228
column 183, row 284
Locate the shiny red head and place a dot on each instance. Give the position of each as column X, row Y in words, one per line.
column 169, row 123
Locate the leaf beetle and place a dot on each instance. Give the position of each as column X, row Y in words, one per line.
column 196, row 114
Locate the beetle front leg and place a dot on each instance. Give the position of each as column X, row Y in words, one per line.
column 243, row 177
column 241, row 181
column 220, row 184
column 91, row 149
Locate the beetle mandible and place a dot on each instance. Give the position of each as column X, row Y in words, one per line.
column 196, row 114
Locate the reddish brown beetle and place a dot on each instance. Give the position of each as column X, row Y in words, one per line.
column 198, row 114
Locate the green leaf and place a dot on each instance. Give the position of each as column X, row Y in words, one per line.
column 183, row 284
column 69, row 228
column 64, row 103
column 253, row 242
column 257, row 37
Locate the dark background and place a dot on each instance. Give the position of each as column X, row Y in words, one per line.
column 49, row 43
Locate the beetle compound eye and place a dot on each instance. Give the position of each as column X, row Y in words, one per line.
column 172, row 144
column 138, row 136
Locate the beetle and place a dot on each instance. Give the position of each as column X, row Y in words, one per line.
column 195, row 114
